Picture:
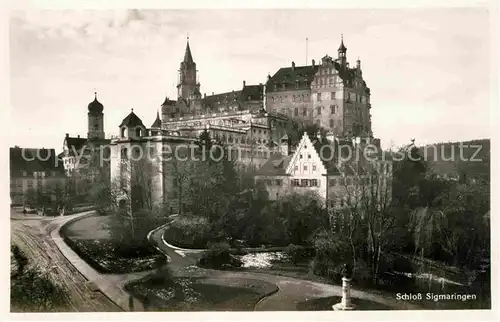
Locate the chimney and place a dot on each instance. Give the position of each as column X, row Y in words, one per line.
column 78, row 135
column 268, row 76
column 313, row 63
column 244, row 83
column 204, row 95
column 212, row 93
column 67, row 135
column 293, row 65
column 358, row 64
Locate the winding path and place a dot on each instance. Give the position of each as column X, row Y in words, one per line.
column 41, row 239
column 291, row 290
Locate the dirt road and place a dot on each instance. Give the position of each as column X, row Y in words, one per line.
column 33, row 237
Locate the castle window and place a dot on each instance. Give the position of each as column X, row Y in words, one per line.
column 296, row 111
column 333, row 182
column 138, row 132
column 314, row 183
column 319, row 97
column 314, row 167
column 331, row 123
column 333, row 109
column 304, row 183
column 124, row 154
column 295, row 182
column 304, row 112
column 296, row 168
column 305, row 167
column 308, row 156
column 333, row 95
column 318, row 110
column 123, row 134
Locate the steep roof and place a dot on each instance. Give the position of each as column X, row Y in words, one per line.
column 75, row 144
column 275, row 166
column 291, row 75
column 168, row 101
column 157, row 122
column 342, row 47
column 188, row 58
column 131, row 120
column 34, row 160
column 252, row 92
column 248, row 93
column 338, row 157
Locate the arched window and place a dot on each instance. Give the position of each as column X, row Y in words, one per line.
column 124, row 132
column 106, row 153
column 138, row 132
column 124, row 154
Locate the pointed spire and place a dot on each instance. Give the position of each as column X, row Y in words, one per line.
column 342, row 48
column 95, row 96
column 157, row 122
column 188, row 58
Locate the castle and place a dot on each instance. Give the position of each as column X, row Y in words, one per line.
column 253, row 118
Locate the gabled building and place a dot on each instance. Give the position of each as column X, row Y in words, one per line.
column 333, row 168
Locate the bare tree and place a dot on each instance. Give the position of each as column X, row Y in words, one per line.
column 368, row 208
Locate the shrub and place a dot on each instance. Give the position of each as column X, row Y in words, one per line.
column 189, row 232
column 219, row 256
column 294, row 253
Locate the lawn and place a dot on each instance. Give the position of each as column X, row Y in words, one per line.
column 89, row 238
column 326, row 303
column 200, row 294
column 93, row 227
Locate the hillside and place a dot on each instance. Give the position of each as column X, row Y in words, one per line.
column 472, row 159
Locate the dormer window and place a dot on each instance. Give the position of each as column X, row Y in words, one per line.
column 123, row 133
column 138, row 132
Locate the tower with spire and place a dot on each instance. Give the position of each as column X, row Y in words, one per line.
column 95, row 120
column 188, row 86
column 342, row 51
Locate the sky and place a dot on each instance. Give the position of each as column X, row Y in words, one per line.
column 428, row 69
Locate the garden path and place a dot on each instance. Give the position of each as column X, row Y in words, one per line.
column 110, row 285
column 291, row 290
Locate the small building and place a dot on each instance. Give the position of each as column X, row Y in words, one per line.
column 34, row 171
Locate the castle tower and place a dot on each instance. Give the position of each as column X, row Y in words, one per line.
column 95, row 120
column 342, row 51
column 188, row 86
